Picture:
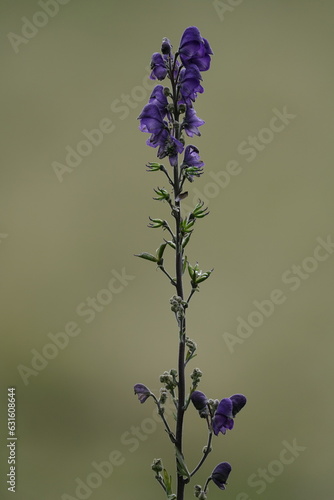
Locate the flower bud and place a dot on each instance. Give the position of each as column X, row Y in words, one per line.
column 170, row 108
column 199, row 400
column 157, row 465
column 166, row 46
column 197, row 490
column 163, row 396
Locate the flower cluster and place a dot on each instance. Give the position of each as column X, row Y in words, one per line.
column 161, row 116
column 222, row 414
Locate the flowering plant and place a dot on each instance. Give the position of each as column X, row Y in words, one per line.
column 169, row 115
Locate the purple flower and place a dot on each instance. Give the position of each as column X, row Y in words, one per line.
column 200, row 401
column 171, row 148
column 191, row 157
column 190, row 84
column 194, row 49
column 191, row 122
column 159, row 98
column 158, row 67
column 151, row 120
column 142, row 392
column 160, row 139
column 238, row 402
column 225, row 413
column 220, row 474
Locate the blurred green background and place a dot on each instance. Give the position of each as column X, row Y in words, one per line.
column 60, row 242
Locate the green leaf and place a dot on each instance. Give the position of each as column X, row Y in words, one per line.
column 171, row 244
column 199, row 212
column 160, row 251
column 154, row 167
column 190, row 356
column 146, row 256
column 184, row 264
column 156, row 223
column 181, row 465
column 162, row 194
column 203, row 276
column 191, row 271
column 167, row 482
column 185, row 240
column 187, row 224
column 192, row 171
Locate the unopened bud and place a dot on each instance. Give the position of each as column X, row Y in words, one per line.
column 157, row 465
column 166, row 46
column 197, row 490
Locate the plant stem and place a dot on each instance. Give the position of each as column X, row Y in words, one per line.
column 206, row 453
column 182, row 322
column 168, row 275
column 179, row 285
column 160, row 412
column 182, row 326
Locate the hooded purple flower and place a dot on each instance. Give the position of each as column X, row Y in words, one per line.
column 238, row 402
column 194, row 49
column 225, row 413
column 190, row 84
column 159, row 98
column 191, row 122
column 151, row 120
column 191, row 157
column 220, row 474
column 200, row 401
column 142, row 392
column 158, row 67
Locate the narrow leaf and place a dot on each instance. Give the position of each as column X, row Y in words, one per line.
column 147, row 256
column 167, row 482
column 171, row 244
column 160, row 251
column 181, row 466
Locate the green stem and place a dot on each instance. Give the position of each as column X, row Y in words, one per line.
column 182, row 327
column 206, row 453
column 161, row 267
column 161, row 413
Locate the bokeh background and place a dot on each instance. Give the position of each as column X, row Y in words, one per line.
column 63, row 237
